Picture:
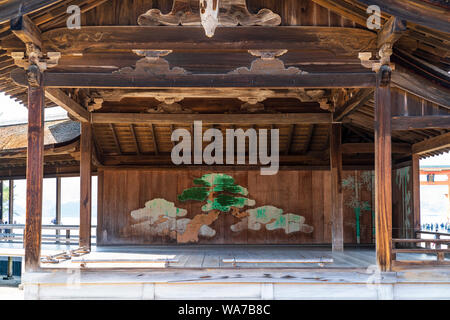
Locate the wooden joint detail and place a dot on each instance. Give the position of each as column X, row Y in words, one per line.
column 210, row 14
column 268, row 63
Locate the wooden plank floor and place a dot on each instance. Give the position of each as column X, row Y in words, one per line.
column 194, row 257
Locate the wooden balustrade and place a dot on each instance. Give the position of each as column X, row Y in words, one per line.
column 438, row 250
column 7, row 234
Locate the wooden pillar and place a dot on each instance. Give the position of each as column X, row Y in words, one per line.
column 383, row 169
column 1, row 202
column 336, row 187
column 85, row 185
column 35, row 169
column 11, row 202
column 416, row 191
column 58, row 206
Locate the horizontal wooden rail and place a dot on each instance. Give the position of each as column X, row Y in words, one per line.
column 438, row 250
column 7, row 234
column 430, row 251
column 433, row 233
column 441, row 241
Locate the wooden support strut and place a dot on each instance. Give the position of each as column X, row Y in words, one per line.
column 416, row 190
column 35, row 172
column 336, row 187
column 383, row 169
column 85, row 185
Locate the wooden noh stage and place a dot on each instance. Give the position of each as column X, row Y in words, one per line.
column 355, row 109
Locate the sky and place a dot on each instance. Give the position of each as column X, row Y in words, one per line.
column 12, row 112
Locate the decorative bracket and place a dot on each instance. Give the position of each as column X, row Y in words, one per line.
column 169, row 105
column 210, row 14
column 34, row 56
column 152, row 64
column 385, row 58
column 268, row 64
column 252, row 104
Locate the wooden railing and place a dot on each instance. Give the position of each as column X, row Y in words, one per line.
column 62, row 234
column 438, row 250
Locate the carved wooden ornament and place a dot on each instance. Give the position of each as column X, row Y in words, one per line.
column 210, row 14
column 152, row 64
column 268, row 63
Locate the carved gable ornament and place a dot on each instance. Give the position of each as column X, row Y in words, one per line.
column 210, row 14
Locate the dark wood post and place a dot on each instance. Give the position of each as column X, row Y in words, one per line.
column 58, row 207
column 35, row 172
column 416, row 192
column 1, row 201
column 336, row 187
column 11, row 203
column 383, row 169
column 85, row 185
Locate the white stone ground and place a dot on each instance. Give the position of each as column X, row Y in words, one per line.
column 11, row 293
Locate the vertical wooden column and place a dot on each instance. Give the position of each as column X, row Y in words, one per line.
column 1, row 202
column 416, row 191
column 336, row 187
column 383, row 169
column 58, row 206
column 85, row 185
column 11, row 202
column 35, row 169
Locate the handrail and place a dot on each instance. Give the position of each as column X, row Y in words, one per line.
column 8, row 235
column 438, row 250
column 45, row 227
column 434, row 233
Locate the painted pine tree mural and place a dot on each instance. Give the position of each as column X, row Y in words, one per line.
column 220, row 192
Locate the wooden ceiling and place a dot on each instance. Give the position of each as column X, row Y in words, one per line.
column 422, row 51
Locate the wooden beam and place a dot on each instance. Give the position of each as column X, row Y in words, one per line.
column 209, row 119
column 341, row 41
column 155, row 141
column 201, row 81
column 421, row 122
column 35, row 173
column 433, row 144
column 68, row 104
column 392, row 31
column 309, row 137
column 85, row 185
column 345, row 9
column 415, row 84
column 337, row 199
column 360, row 99
column 135, row 140
column 416, row 190
column 318, row 158
column 12, row 8
column 383, row 170
column 24, row 29
column 419, row 12
column 116, row 139
column 355, row 148
column 289, row 141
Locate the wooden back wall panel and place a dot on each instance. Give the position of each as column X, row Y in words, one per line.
column 305, row 193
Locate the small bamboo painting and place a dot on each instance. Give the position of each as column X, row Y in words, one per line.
column 402, row 181
column 356, row 185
